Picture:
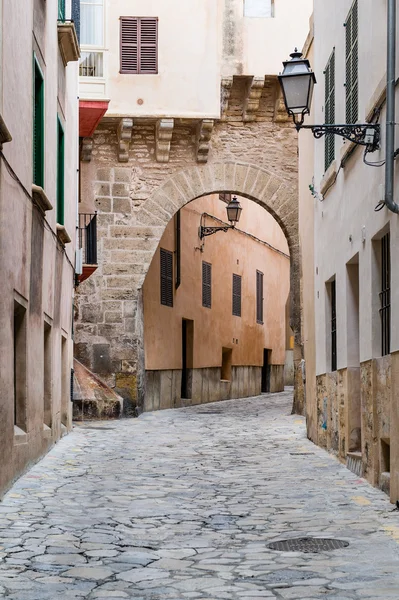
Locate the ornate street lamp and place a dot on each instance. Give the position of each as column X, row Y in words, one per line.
column 297, row 81
column 233, row 210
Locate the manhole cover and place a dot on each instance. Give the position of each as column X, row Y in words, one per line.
column 308, row 545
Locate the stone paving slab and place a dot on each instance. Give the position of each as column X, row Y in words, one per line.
column 181, row 504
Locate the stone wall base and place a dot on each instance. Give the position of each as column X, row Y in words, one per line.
column 354, row 411
column 163, row 388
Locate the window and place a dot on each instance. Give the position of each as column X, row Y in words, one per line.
column 258, row 8
column 91, row 38
column 139, row 45
column 61, row 10
column 259, row 297
column 237, row 295
column 225, row 197
column 60, row 173
column 329, row 142
column 333, row 300
column 19, row 351
column 166, row 277
column 385, row 294
column 38, row 127
column 206, row 285
column 352, row 48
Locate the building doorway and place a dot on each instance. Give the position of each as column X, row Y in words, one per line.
column 187, row 358
column 266, row 372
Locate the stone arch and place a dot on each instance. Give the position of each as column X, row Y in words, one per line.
column 247, row 180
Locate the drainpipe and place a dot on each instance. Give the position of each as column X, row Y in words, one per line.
column 390, row 124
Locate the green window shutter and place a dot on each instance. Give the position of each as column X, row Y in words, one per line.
column 237, row 295
column 206, row 284
column 61, row 10
column 352, row 57
column 329, row 140
column 38, row 127
column 166, row 257
column 60, row 173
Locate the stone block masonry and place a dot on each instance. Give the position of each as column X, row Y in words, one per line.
column 256, row 159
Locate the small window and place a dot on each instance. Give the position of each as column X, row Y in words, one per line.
column 259, row 297
column 385, row 294
column 206, row 285
column 38, row 127
column 166, row 277
column 139, row 45
column 60, row 173
column 329, row 141
column 352, row 59
column 237, row 295
column 225, row 197
column 259, row 8
column 47, row 376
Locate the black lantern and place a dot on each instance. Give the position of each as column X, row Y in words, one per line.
column 297, row 81
column 234, row 210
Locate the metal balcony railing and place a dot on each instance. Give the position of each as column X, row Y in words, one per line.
column 61, row 10
column 88, row 238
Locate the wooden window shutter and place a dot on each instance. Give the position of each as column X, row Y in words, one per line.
column 259, row 297
column 352, row 50
column 148, row 62
column 206, row 285
column 329, row 142
column 129, row 45
column 139, row 45
column 166, row 277
column 237, row 295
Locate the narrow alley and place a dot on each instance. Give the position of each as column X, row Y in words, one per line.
column 183, row 504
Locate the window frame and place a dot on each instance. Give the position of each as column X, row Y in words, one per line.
column 38, row 73
column 60, row 172
column 271, row 16
column 206, row 285
column 236, row 297
column 385, row 295
column 138, row 71
column 259, row 297
column 352, row 62
column 166, row 298
column 94, row 48
column 329, row 109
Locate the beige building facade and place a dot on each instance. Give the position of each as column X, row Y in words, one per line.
column 214, row 309
column 38, row 208
column 172, row 122
column 348, row 237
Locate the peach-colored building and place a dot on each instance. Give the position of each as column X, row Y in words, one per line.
column 214, row 308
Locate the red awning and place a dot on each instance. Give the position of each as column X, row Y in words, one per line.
column 90, row 114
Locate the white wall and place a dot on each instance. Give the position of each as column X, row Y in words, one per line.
column 349, row 205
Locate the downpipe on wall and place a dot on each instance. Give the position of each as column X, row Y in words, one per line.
column 390, row 118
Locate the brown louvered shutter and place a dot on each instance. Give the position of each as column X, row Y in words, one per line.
column 166, row 277
column 206, row 285
column 237, row 295
column 129, row 45
column 148, row 56
column 259, row 297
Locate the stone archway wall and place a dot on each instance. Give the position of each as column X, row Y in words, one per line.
column 136, row 200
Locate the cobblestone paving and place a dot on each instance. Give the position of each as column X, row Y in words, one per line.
column 182, row 504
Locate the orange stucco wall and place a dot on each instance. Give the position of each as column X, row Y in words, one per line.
column 214, row 328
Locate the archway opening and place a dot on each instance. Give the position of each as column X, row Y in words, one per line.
column 215, row 318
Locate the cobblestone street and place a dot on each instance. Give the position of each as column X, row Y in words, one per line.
column 182, row 504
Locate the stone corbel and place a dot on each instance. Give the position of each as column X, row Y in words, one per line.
column 86, row 149
column 203, row 142
column 280, row 112
column 225, row 92
column 163, row 138
column 125, row 129
column 252, row 101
